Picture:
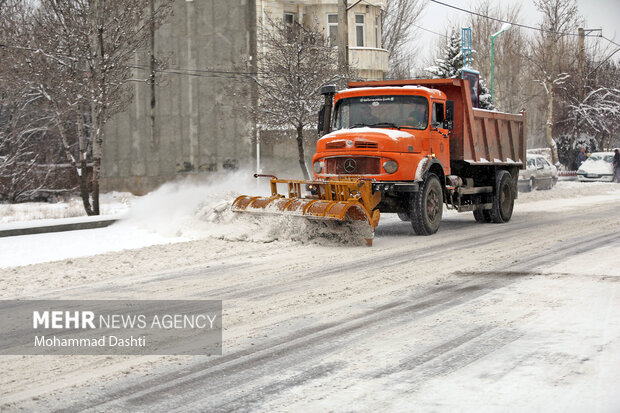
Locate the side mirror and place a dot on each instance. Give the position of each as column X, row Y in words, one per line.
column 329, row 90
column 448, row 122
column 325, row 114
column 321, row 120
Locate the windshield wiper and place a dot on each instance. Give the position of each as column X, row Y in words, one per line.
column 385, row 124
column 358, row 125
column 381, row 124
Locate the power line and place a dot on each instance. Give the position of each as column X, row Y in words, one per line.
column 514, row 24
column 197, row 72
column 178, row 71
column 427, row 30
column 610, row 41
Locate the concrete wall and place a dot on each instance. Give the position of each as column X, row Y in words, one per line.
column 279, row 154
column 197, row 125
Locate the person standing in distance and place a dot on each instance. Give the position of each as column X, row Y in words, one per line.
column 581, row 158
column 616, row 164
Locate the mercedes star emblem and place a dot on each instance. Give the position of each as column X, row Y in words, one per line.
column 350, row 165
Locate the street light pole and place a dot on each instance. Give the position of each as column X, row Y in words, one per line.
column 504, row 27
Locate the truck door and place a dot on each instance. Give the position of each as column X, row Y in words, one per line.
column 440, row 143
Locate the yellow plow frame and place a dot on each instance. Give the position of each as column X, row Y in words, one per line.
column 344, row 199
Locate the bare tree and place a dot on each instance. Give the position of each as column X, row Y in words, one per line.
column 397, row 24
column 550, row 50
column 22, row 128
column 594, row 113
column 77, row 60
column 23, row 125
column 298, row 60
column 510, row 87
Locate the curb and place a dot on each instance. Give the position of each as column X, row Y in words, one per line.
column 57, row 228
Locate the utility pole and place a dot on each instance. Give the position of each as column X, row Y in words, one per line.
column 343, row 36
column 582, row 61
column 582, row 58
column 581, row 82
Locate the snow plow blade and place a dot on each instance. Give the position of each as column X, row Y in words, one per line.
column 344, row 200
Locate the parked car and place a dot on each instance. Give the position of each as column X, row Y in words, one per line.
column 539, row 174
column 598, row 167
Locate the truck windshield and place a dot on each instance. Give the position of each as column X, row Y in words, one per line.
column 399, row 111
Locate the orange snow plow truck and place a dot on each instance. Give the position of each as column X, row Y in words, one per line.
column 405, row 147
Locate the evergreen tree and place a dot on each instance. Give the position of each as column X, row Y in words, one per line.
column 485, row 101
column 450, row 66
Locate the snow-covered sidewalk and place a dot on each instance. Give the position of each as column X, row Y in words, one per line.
column 184, row 211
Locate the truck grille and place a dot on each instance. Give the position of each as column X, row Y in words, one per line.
column 358, row 145
column 366, row 145
column 353, row 165
column 335, row 145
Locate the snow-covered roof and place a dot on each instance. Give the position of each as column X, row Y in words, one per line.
column 391, row 133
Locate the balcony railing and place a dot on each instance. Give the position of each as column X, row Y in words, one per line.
column 368, row 58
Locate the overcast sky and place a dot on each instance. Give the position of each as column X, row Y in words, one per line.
column 603, row 14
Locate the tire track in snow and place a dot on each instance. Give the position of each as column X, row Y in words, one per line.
column 236, row 372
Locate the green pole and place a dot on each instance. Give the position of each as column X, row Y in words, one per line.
column 492, row 44
column 504, row 27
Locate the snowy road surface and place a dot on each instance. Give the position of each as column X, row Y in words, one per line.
column 522, row 316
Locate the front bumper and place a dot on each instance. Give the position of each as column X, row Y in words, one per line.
column 387, row 186
column 595, row 178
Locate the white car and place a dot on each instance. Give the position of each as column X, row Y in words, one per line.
column 598, row 167
column 538, row 174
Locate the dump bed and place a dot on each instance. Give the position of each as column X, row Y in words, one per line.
column 479, row 136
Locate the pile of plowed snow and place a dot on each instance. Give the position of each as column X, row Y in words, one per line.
column 197, row 209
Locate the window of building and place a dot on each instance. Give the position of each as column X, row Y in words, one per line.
column 332, row 28
column 359, row 29
column 289, row 18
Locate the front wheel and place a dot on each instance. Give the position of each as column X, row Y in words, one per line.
column 503, row 199
column 427, row 206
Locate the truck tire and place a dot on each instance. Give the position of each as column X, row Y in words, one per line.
column 482, row 215
column 404, row 216
column 503, row 199
column 427, row 206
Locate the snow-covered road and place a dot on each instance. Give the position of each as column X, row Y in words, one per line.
column 479, row 317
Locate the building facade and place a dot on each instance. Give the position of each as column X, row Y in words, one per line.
column 191, row 121
column 366, row 54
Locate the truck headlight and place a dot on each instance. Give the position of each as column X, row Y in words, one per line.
column 318, row 167
column 390, row 166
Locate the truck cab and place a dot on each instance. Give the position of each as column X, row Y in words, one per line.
column 384, row 133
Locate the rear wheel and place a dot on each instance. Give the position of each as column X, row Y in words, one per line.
column 427, row 206
column 482, row 215
column 404, row 216
column 503, row 199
